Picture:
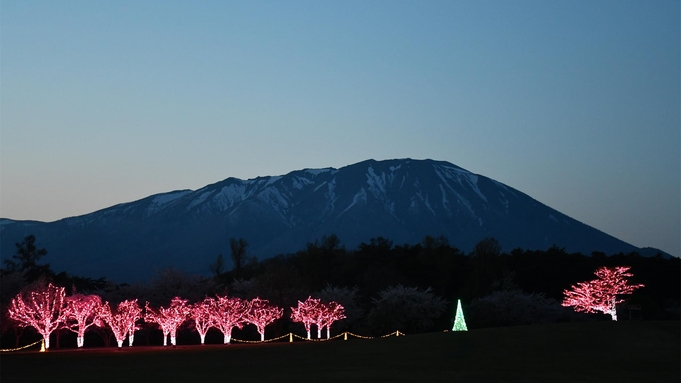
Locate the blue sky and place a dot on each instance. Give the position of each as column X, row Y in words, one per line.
column 576, row 103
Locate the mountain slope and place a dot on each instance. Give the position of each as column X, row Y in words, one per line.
column 402, row 200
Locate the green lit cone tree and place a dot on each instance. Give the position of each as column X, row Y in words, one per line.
column 459, row 321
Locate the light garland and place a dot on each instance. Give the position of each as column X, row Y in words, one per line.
column 22, row 347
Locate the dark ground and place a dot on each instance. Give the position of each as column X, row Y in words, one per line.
column 635, row 351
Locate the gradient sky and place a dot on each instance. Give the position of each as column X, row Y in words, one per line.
column 576, row 103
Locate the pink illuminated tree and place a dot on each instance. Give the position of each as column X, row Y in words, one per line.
column 601, row 294
column 83, row 311
column 307, row 313
column 329, row 313
column 228, row 313
column 262, row 313
column 201, row 314
column 169, row 319
column 43, row 308
column 123, row 320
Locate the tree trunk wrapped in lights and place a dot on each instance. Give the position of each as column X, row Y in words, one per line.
column 261, row 313
column 601, row 294
column 43, row 309
column 228, row 313
column 82, row 311
column 169, row 319
column 201, row 314
column 123, row 320
column 306, row 313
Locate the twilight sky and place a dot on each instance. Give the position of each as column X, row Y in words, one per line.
column 576, row 103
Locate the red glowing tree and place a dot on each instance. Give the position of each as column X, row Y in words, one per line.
column 261, row 313
column 201, row 314
column 169, row 319
column 228, row 313
column 328, row 314
column 43, row 308
column 123, row 320
column 307, row 312
column 82, row 311
column 601, row 294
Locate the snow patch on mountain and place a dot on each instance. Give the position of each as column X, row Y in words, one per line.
column 162, row 200
column 200, row 199
column 300, row 182
column 360, row 196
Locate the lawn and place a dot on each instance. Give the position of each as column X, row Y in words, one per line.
column 637, row 351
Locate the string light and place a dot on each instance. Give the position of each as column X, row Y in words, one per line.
column 329, row 313
column 261, row 313
column 122, row 321
column 601, row 294
column 169, row 319
column 227, row 313
column 24, row 347
column 306, row 313
column 459, row 321
column 82, row 311
column 43, row 309
column 201, row 314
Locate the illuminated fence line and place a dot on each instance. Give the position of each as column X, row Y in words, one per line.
column 290, row 336
column 344, row 335
column 23, row 347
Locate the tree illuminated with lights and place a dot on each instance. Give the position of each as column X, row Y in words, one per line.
column 601, row 294
column 123, row 320
column 329, row 313
column 43, row 309
column 228, row 313
column 201, row 314
column 82, row 311
column 261, row 313
column 459, row 321
column 169, row 319
column 306, row 313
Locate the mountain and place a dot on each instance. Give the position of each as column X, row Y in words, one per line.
column 402, row 200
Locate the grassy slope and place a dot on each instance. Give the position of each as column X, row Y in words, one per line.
column 574, row 352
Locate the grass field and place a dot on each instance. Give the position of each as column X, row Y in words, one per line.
column 639, row 351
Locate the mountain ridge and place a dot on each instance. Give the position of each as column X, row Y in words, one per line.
column 399, row 199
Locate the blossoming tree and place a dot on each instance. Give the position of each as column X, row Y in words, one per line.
column 227, row 313
column 200, row 313
column 82, row 311
column 262, row 313
column 43, row 309
column 123, row 320
column 169, row 319
column 601, row 294
column 306, row 313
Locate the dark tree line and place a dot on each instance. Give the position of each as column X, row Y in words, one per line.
column 496, row 287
